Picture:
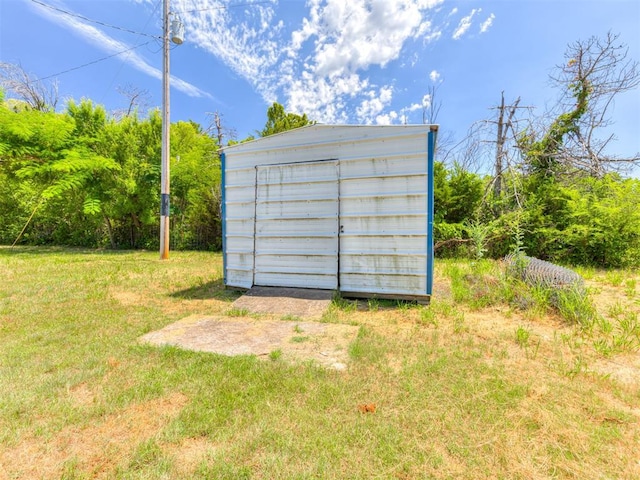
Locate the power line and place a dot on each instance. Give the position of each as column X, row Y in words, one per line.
column 93, row 21
column 153, row 12
column 91, row 63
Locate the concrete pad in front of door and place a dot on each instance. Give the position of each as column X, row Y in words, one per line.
column 325, row 343
column 291, row 302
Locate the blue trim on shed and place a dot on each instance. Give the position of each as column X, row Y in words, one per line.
column 431, row 144
column 224, row 218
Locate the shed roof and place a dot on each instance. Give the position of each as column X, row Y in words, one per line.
column 305, row 135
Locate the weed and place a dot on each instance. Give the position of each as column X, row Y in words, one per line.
column 630, row 287
column 573, row 369
column 298, row 329
column 478, row 234
column 343, row 304
column 587, row 273
column 442, row 308
column 459, row 288
column 368, row 347
column 522, row 336
column 628, row 336
column 614, row 278
column 615, row 310
column 275, row 354
column 331, row 315
column 459, row 325
column 624, row 336
column 299, row 339
column 222, row 469
column 149, row 458
column 373, row 304
column 290, row 318
column 428, row 317
column 603, row 347
column 604, row 325
column 237, row 312
column 406, row 305
column 629, row 324
column 531, row 351
column 575, row 306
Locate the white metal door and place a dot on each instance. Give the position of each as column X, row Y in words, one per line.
column 296, row 225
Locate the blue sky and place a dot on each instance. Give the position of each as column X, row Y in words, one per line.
column 339, row 61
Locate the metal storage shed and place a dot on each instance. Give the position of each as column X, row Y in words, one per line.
column 338, row 207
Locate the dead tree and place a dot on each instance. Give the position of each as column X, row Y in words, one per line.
column 138, row 98
column 504, row 126
column 594, row 73
column 217, row 130
column 38, row 96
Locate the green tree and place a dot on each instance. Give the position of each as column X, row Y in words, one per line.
column 279, row 121
column 41, row 150
column 129, row 201
column 195, row 187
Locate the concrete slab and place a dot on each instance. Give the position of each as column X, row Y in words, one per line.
column 297, row 302
column 325, row 343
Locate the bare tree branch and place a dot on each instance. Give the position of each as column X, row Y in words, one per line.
column 138, row 99
column 15, row 80
column 600, row 70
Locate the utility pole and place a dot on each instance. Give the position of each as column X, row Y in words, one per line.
column 503, row 127
column 165, row 178
column 171, row 31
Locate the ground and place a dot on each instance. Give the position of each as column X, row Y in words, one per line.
column 453, row 390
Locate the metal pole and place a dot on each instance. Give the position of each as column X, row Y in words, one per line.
column 164, row 192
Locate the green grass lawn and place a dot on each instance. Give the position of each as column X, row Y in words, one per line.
column 462, row 389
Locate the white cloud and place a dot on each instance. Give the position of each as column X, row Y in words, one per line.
column 426, row 101
column 354, row 35
column 247, row 41
column 319, row 68
column 387, row 118
column 373, row 106
column 343, row 40
column 434, row 76
column 112, row 46
column 453, row 11
column 464, row 24
column 433, row 36
column 487, row 23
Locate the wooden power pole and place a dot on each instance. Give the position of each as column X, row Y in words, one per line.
column 165, row 177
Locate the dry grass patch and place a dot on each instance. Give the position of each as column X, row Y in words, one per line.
column 189, row 454
column 97, row 449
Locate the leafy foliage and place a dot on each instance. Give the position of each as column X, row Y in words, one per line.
column 82, row 178
column 280, row 121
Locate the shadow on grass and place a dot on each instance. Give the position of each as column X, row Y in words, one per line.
column 214, row 289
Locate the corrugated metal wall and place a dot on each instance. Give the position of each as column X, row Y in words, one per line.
column 296, row 238
column 383, row 239
column 330, row 207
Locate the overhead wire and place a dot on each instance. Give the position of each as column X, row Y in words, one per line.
column 72, row 14
column 93, row 62
column 155, row 37
column 117, row 74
